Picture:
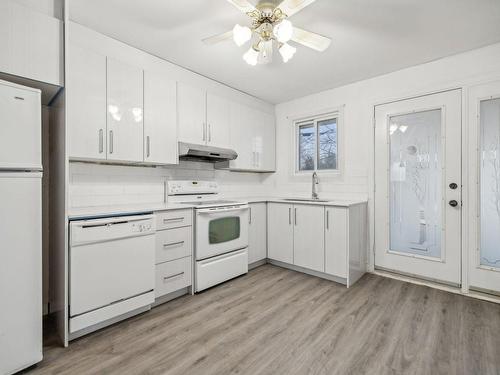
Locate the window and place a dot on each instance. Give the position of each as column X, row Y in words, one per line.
column 317, row 144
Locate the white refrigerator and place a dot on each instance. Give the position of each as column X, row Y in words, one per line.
column 20, row 228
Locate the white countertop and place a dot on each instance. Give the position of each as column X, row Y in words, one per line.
column 121, row 210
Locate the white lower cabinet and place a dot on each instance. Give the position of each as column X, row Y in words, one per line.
column 174, row 251
column 257, row 232
column 308, row 237
column 330, row 240
column 280, row 232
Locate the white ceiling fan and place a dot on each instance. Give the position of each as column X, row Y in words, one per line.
column 270, row 26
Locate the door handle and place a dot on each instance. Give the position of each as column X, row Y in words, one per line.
column 453, row 186
column 101, row 143
column 111, row 141
column 148, row 146
column 453, row 203
column 327, row 219
column 289, row 216
column 295, row 215
column 250, row 215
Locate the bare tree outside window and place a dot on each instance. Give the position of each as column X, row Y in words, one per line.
column 317, row 143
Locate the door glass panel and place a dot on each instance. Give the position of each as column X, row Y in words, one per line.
column 490, row 182
column 307, row 147
column 223, row 229
column 415, row 183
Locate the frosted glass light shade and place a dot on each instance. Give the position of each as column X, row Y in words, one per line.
column 287, row 52
column 241, row 34
column 283, row 31
column 251, row 56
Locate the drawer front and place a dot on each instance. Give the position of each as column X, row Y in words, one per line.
column 172, row 276
column 173, row 244
column 173, row 219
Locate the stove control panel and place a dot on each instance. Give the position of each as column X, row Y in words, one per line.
column 183, row 187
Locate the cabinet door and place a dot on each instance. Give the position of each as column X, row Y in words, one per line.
column 160, row 119
column 241, row 135
column 336, row 241
column 264, row 143
column 309, row 237
column 217, row 121
column 125, row 111
column 86, row 103
column 191, row 112
column 257, row 233
column 280, row 232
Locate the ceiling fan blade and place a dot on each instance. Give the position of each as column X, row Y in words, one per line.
column 218, row 38
column 290, row 7
column 243, row 5
column 312, row 40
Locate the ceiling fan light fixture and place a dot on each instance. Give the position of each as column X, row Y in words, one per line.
column 287, row 51
column 241, row 34
column 283, row 31
column 251, row 56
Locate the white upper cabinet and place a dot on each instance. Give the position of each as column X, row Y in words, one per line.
column 217, row 121
column 160, row 119
column 86, row 103
column 252, row 136
column 124, row 111
column 32, row 44
column 308, row 238
column 280, row 232
column 191, row 112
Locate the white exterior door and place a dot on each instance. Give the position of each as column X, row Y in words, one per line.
column 418, row 187
column 484, row 189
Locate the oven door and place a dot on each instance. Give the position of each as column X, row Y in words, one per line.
column 221, row 230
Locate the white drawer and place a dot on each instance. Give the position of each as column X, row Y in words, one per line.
column 172, row 276
column 173, row 219
column 173, row 244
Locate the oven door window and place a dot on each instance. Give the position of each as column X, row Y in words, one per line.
column 223, row 230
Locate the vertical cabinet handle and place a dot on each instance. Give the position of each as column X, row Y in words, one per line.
column 250, row 215
column 209, row 133
column 101, row 141
column 327, row 219
column 295, row 215
column 148, row 147
column 111, row 141
column 289, row 215
column 204, row 131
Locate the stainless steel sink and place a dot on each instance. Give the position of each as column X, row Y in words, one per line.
column 305, row 200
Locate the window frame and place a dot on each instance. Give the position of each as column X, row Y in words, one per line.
column 314, row 120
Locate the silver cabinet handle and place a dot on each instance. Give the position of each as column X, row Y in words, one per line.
column 295, row 215
column 171, row 277
column 111, row 141
column 101, row 141
column 173, row 244
column 250, row 215
column 209, row 132
column 173, row 219
column 327, row 219
column 204, row 131
column 148, row 146
column 289, row 215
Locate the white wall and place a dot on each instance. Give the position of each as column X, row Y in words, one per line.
column 52, row 8
column 358, row 100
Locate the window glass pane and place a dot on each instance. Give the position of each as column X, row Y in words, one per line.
column 223, row 229
column 307, row 147
column 327, row 130
column 490, row 182
column 415, row 183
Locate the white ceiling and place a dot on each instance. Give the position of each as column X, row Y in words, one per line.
column 369, row 38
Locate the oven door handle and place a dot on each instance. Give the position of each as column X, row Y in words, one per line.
column 209, row 211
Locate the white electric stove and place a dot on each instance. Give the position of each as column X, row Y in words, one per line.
column 221, row 231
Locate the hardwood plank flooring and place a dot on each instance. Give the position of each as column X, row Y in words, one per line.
column 277, row 321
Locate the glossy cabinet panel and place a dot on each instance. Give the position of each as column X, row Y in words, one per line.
column 308, row 237
column 124, row 111
column 336, row 238
column 86, row 103
column 191, row 112
column 160, row 119
column 217, row 121
column 257, row 232
column 280, row 232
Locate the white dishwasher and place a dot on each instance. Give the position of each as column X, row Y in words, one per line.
column 112, row 270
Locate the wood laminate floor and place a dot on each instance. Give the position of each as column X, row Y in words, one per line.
column 277, row 321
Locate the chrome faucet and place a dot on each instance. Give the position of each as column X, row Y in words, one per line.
column 315, row 181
